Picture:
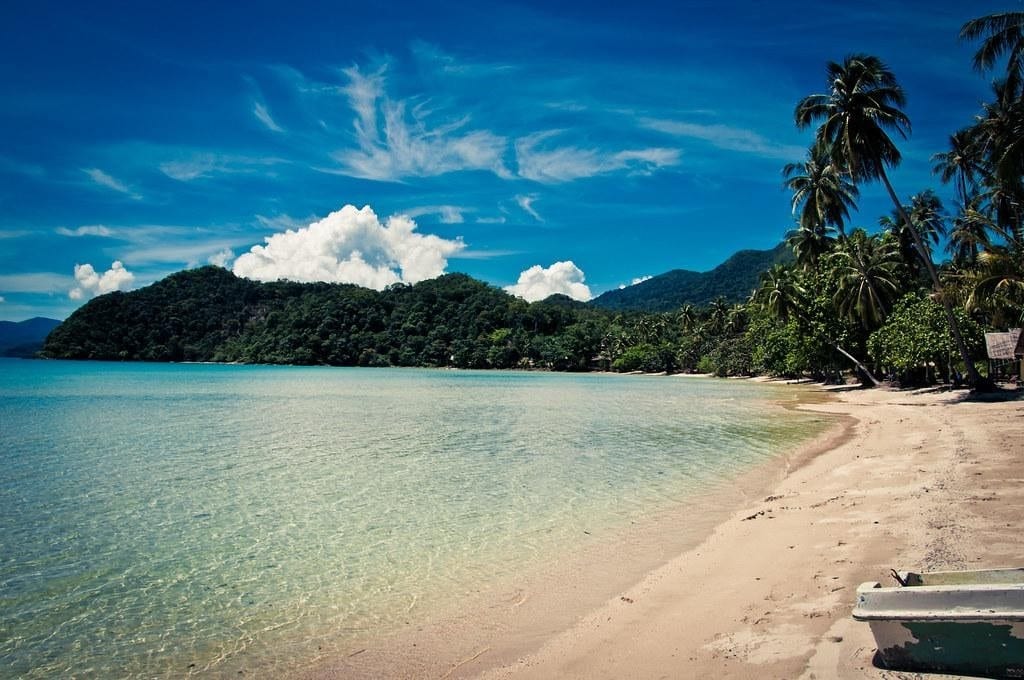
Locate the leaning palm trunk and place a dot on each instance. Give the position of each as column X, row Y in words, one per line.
column 973, row 377
column 862, row 367
column 839, row 348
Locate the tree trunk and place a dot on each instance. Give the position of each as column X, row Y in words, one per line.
column 862, row 367
column 973, row 377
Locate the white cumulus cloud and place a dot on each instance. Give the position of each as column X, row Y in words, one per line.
column 221, row 258
column 350, row 246
column 638, row 279
column 537, row 283
column 91, row 283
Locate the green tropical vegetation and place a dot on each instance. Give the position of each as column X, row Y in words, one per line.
column 833, row 298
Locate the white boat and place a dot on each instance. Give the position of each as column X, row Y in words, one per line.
column 964, row 622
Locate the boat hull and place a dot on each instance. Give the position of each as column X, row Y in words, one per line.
column 968, row 623
column 964, row 647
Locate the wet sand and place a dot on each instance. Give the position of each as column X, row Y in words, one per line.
column 756, row 580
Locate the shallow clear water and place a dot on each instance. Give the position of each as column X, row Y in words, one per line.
column 160, row 520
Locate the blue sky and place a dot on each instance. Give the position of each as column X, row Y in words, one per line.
column 549, row 146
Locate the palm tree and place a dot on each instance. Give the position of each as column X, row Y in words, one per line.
column 736, row 320
column 867, row 270
column 861, row 107
column 809, row 244
column 824, row 191
column 1003, row 35
column 962, row 164
column 781, row 294
column 687, row 317
column 998, row 286
column 927, row 215
column 999, row 133
column 718, row 315
column 969, row 235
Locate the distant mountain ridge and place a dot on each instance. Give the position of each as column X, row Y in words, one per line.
column 733, row 280
column 25, row 338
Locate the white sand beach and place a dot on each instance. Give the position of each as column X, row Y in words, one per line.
column 760, row 583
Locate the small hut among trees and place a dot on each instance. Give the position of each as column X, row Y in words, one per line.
column 1006, row 353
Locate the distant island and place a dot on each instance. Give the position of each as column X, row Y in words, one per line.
column 25, row 338
column 209, row 314
column 750, row 315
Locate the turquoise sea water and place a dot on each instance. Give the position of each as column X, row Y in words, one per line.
column 162, row 520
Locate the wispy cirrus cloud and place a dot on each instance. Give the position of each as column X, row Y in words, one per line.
column 87, row 230
column 259, row 109
column 484, row 254
column 15, row 233
column 525, row 202
column 283, row 222
column 434, row 59
column 148, row 244
column 203, row 164
column 447, row 214
column 546, row 163
column 397, row 141
column 188, row 254
column 34, row 282
column 104, row 180
column 726, row 137
column 11, row 165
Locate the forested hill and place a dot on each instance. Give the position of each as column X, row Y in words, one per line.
column 209, row 314
column 733, row 280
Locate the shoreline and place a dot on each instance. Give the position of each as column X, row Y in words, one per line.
column 508, row 619
column 763, row 585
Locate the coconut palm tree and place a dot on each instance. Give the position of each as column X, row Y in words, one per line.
column 736, row 320
column 860, row 108
column 999, row 133
column 926, row 212
column 997, row 286
column 779, row 292
column 782, row 295
column 718, row 315
column 970, row 232
column 825, row 193
column 1002, row 35
column 929, row 219
column 687, row 317
column 963, row 164
column 809, row 243
column 867, row 271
